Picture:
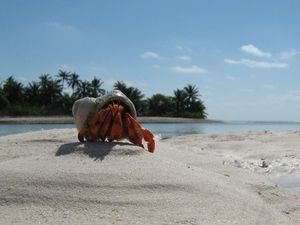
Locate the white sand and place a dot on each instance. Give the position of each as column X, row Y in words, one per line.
column 49, row 178
column 70, row 120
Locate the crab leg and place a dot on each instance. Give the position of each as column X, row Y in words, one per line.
column 105, row 119
column 98, row 122
column 134, row 130
column 117, row 124
column 94, row 126
column 136, row 133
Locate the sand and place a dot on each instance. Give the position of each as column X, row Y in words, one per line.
column 48, row 177
column 69, row 120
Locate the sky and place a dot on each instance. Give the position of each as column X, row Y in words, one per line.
column 242, row 55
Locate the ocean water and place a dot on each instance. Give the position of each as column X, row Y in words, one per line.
column 170, row 129
column 173, row 129
column 6, row 129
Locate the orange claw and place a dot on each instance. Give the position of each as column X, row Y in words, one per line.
column 148, row 136
column 136, row 133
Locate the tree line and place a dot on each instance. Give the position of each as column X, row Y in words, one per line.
column 48, row 96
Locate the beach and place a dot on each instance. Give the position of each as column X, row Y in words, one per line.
column 69, row 120
column 48, row 177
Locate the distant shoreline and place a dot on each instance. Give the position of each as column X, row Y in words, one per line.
column 69, row 120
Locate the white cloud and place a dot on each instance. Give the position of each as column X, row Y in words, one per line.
column 291, row 97
column 156, row 66
column 268, row 86
column 61, row 27
column 230, row 78
column 288, row 54
column 251, row 49
column 183, row 48
column 193, row 69
column 247, row 90
column 110, row 82
column 67, row 67
column 184, row 58
column 257, row 64
column 179, row 47
column 150, row 55
column 96, row 69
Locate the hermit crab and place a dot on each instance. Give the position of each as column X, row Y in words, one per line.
column 110, row 117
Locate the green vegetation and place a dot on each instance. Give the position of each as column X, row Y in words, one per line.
column 49, row 96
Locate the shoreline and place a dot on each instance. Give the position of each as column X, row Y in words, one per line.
column 48, row 177
column 69, row 120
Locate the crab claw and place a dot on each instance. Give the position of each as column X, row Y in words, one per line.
column 148, row 136
column 136, row 133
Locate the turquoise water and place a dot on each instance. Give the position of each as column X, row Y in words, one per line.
column 171, row 129
column 6, row 129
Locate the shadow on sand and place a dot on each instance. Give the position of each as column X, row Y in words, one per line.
column 97, row 150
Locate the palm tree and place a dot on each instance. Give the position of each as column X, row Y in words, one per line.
column 96, row 87
column 121, row 86
column 192, row 94
column 74, row 81
column 13, row 90
column 160, row 105
column 44, row 79
column 55, row 90
column 134, row 94
column 62, row 77
column 32, row 93
column 83, row 90
column 136, row 97
column 179, row 98
column 4, row 103
column 50, row 89
column 199, row 108
column 44, row 83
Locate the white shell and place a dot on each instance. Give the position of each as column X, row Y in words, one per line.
column 84, row 109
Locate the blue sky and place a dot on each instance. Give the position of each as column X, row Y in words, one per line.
column 243, row 55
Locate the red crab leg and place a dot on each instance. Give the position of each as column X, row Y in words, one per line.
column 94, row 126
column 136, row 133
column 97, row 122
column 134, row 130
column 117, row 124
column 105, row 118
